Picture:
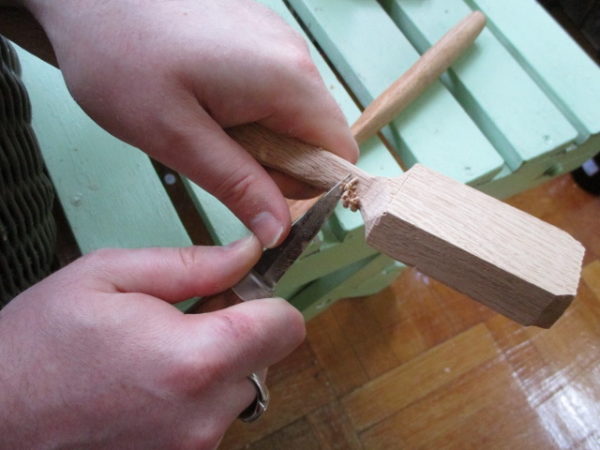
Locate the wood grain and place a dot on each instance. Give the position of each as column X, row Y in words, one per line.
column 502, row 257
column 522, row 267
column 402, row 386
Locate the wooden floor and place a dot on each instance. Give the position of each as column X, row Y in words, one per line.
column 421, row 366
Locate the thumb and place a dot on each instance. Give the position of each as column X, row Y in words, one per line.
column 246, row 337
column 172, row 274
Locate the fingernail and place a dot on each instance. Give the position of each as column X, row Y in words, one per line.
column 267, row 228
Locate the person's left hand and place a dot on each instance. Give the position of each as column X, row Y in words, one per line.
column 95, row 357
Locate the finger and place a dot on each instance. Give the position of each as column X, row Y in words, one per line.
column 292, row 188
column 247, row 337
column 173, row 274
column 210, row 158
column 310, row 114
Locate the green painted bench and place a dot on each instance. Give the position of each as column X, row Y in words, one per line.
column 518, row 109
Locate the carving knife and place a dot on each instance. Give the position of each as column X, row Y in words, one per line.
column 261, row 281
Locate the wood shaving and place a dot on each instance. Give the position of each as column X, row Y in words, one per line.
column 350, row 196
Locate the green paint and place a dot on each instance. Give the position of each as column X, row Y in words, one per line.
column 550, row 56
column 509, row 107
column 371, row 53
column 110, row 192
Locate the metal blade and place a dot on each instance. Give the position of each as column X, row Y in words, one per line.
column 275, row 262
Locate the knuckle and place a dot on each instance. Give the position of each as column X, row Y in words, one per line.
column 188, row 256
column 100, row 257
column 300, row 60
column 170, row 137
column 236, row 188
column 231, row 326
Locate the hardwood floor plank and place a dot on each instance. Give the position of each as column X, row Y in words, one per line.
column 591, row 275
column 464, row 414
column 409, row 382
column 295, row 436
column 333, row 429
column 335, row 355
column 291, row 399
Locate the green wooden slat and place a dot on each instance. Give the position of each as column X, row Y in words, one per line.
column 508, row 183
column 371, row 53
column 377, row 283
column 110, row 192
column 329, row 258
column 345, row 283
column 515, row 114
column 550, row 56
column 220, row 222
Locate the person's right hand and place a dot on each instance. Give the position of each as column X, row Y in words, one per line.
column 95, row 357
column 169, row 76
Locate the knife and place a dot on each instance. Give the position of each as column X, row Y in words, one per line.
column 262, row 279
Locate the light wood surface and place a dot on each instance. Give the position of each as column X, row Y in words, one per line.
column 421, row 366
column 501, row 257
column 419, row 77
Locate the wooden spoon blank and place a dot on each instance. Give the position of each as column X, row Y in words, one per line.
column 416, row 79
column 500, row 256
column 504, row 258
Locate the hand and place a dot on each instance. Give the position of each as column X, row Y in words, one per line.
column 93, row 357
column 169, row 76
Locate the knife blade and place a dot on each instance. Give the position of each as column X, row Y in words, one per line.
column 262, row 279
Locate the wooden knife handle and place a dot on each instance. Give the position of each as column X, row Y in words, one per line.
column 315, row 166
column 414, row 81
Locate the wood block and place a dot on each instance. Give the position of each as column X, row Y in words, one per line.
column 398, row 215
column 412, row 381
column 508, row 106
column 371, row 53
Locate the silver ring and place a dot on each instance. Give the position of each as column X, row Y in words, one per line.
column 260, row 403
